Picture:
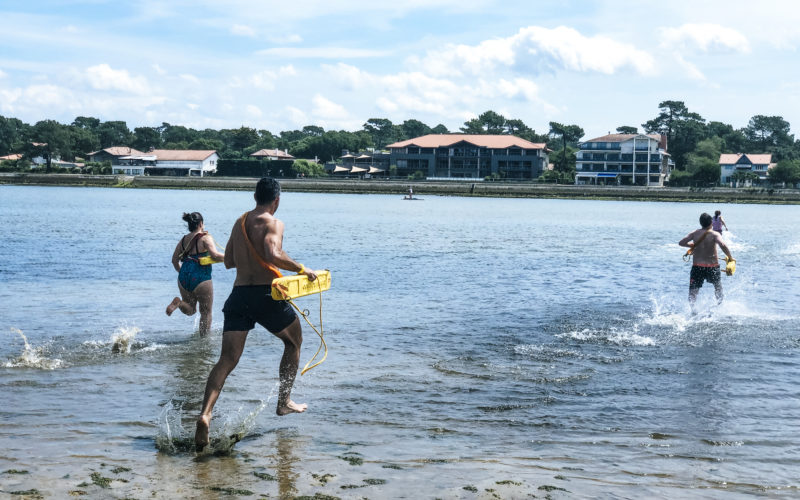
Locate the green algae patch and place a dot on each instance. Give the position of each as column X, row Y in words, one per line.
column 351, row 486
column 373, row 482
column 99, row 480
column 323, row 478
column 117, row 470
column 547, row 487
column 231, row 491
column 470, row 488
column 265, row 475
column 352, row 459
column 391, row 466
column 77, row 493
column 32, row 493
column 508, row 481
column 16, row 471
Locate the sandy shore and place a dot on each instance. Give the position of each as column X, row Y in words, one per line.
column 422, row 188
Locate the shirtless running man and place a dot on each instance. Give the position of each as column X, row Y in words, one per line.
column 705, row 263
column 250, row 303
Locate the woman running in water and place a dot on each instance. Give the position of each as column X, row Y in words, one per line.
column 717, row 222
column 194, row 279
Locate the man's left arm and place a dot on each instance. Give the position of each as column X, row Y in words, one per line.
column 724, row 247
column 685, row 241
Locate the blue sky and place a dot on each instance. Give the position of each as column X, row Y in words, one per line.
column 283, row 65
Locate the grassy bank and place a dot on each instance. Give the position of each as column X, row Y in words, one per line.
column 421, row 188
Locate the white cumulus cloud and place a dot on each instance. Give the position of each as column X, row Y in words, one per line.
column 325, row 108
column 705, row 37
column 535, row 50
column 104, row 77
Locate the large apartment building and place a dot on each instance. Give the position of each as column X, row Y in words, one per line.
column 466, row 156
column 624, row 159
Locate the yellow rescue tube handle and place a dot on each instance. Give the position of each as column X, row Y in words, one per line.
column 730, row 266
column 290, row 287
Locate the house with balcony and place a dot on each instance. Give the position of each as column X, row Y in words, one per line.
column 469, row 157
column 730, row 163
column 624, row 159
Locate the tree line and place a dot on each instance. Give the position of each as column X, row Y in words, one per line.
column 693, row 142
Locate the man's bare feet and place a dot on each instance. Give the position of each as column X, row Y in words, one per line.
column 201, row 433
column 291, row 407
column 173, row 305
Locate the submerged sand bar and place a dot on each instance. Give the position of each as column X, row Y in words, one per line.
column 422, row 188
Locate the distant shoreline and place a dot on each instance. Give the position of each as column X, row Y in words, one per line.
column 421, row 188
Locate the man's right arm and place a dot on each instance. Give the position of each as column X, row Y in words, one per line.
column 685, row 241
column 228, row 260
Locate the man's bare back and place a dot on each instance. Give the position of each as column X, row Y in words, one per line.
column 705, row 252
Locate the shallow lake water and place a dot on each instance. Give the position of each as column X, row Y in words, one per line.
column 478, row 348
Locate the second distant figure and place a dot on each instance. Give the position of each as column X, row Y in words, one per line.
column 717, row 222
column 194, row 278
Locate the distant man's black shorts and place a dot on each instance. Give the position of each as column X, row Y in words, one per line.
column 699, row 274
column 248, row 305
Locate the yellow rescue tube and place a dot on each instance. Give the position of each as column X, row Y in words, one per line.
column 730, row 267
column 298, row 285
column 207, row 260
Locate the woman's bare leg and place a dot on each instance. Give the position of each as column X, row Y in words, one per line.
column 205, row 299
column 187, row 305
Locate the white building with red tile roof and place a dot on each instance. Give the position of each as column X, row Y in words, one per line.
column 185, row 161
column 469, row 156
column 172, row 162
column 730, row 163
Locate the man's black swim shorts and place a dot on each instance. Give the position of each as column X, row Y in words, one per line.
column 699, row 274
column 248, row 305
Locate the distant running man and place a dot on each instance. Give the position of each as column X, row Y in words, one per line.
column 255, row 244
column 703, row 243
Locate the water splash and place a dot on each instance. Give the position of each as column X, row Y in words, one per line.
column 32, row 357
column 122, row 339
column 226, row 430
column 612, row 335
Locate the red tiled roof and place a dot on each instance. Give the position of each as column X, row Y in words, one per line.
column 119, row 151
column 733, row 158
column 482, row 140
column 273, row 152
column 181, row 154
column 622, row 137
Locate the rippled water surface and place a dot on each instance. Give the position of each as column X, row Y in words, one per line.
column 479, row 348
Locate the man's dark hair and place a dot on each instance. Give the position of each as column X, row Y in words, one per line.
column 705, row 220
column 267, row 190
